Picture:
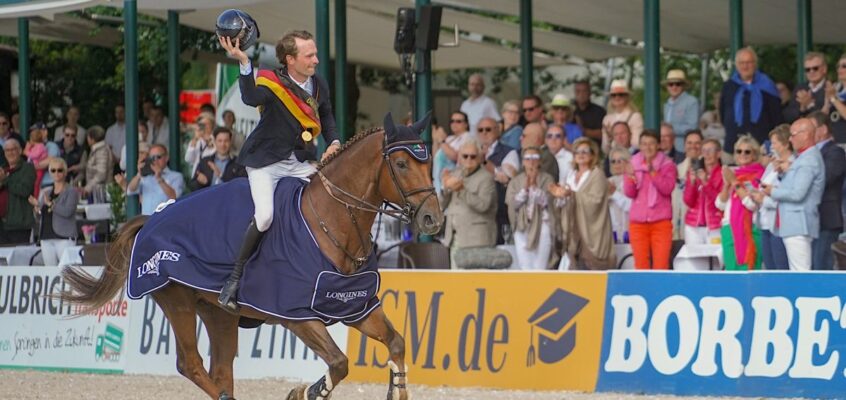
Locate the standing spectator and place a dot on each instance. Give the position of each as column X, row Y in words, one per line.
column 238, row 137
column 446, row 147
column 16, row 123
column 586, row 219
column 160, row 186
column 158, row 127
column 831, row 218
column 799, row 195
column 785, row 94
column 711, row 126
column 99, row 165
column 620, row 205
column 692, row 150
column 533, row 110
column 530, row 211
column 703, row 184
column 503, row 163
column 469, row 198
column 511, row 128
column 620, row 109
column 555, row 143
column 809, row 96
column 36, row 154
column 668, row 143
column 775, row 255
column 739, row 235
column 147, row 108
column 562, row 115
column 533, row 136
column 836, row 95
column 621, row 138
column 73, row 154
column 202, row 143
column 650, row 180
column 681, row 110
column 6, row 133
column 116, row 133
column 57, row 208
column 53, row 150
column 749, row 101
column 219, row 167
column 588, row 114
column 71, row 121
column 142, row 145
column 16, row 183
column 478, row 106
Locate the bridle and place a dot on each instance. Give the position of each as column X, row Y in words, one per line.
column 405, row 213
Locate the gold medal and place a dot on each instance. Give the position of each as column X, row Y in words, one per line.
column 307, row 136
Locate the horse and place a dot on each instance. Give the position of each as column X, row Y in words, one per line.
column 367, row 175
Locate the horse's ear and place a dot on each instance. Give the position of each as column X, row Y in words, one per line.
column 390, row 128
column 421, row 125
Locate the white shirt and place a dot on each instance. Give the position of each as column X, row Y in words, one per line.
column 60, row 133
column 116, row 138
column 478, row 108
column 511, row 158
column 565, row 164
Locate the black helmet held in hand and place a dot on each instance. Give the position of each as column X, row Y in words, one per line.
column 236, row 24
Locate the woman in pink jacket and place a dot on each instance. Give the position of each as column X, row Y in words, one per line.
column 702, row 186
column 650, row 180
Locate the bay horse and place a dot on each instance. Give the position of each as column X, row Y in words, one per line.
column 349, row 189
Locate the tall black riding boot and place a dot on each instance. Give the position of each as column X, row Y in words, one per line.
column 229, row 293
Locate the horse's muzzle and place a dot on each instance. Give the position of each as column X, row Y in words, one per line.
column 429, row 223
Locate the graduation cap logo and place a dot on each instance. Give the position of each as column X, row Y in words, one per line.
column 557, row 330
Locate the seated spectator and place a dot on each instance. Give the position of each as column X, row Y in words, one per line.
column 511, row 128
column 533, row 136
column 16, row 183
column 445, row 148
column 238, row 137
column 530, row 212
column 620, row 109
column 774, row 253
column 99, row 164
column 703, row 183
column 739, row 234
column 142, row 145
column 503, row 163
column 57, row 208
column 219, row 167
column 71, row 121
column 620, row 205
column 650, row 180
column 585, row 218
column 73, row 154
column 562, row 115
column 202, row 142
column 469, row 198
column 799, row 195
column 556, row 143
column 160, row 186
column 7, row 133
column 621, row 139
column 831, row 219
column 36, row 154
column 533, row 111
column 667, row 144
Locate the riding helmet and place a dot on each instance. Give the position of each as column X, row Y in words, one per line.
column 236, row 24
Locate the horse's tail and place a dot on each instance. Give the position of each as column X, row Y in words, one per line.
column 93, row 292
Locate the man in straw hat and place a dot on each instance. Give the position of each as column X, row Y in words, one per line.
column 681, row 109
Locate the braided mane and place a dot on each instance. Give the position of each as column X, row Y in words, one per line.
column 355, row 139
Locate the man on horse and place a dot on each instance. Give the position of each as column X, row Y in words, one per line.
column 295, row 107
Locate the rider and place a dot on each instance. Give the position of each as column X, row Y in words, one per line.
column 295, row 107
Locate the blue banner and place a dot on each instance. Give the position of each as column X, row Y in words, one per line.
column 773, row 334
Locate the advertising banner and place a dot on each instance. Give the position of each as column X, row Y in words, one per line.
column 771, row 334
column 43, row 332
column 538, row 331
column 266, row 351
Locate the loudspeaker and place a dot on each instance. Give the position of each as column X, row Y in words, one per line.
column 429, row 28
column 404, row 36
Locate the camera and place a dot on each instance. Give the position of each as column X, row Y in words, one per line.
column 147, row 169
column 697, row 164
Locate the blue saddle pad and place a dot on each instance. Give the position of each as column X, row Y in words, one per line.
column 194, row 242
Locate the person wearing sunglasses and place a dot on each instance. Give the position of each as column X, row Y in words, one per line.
column 620, row 109
column 620, row 205
column 57, row 208
column 503, row 163
column 161, row 186
column 533, row 111
column 469, row 201
column 681, row 110
column 749, row 101
column 445, row 148
column 809, row 96
column 72, row 153
column 17, row 179
column 835, row 95
column 562, row 115
column 530, row 210
column 71, row 121
column 740, row 234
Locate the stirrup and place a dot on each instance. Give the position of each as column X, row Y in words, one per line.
column 228, row 295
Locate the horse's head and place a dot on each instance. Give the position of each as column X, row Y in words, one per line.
column 406, row 177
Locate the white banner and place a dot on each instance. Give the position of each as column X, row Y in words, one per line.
column 267, row 351
column 37, row 331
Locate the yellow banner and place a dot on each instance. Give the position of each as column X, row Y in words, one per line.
column 513, row 330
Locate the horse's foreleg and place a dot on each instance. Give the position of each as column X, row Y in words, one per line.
column 377, row 326
column 223, row 338
column 317, row 338
column 179, row 305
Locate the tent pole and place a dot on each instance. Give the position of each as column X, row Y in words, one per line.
column 173, row 87
column 652, row 63
column 526, row 49
column 321, row 12
column 705, row 62
column 341, row 68
column 24, row 85
column 130, row 54
column 805, row 39
column 735, row 27
column 423, row 79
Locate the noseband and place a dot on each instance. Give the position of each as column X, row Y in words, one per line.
column 406, row 213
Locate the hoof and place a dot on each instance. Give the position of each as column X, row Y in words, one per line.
column 297, row 393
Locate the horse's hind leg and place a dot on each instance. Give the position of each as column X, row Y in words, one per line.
column 223, row 337
column 317, row 338
column 377, row 326
column 179, row 305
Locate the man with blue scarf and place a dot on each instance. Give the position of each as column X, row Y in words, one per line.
column 749, row 101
